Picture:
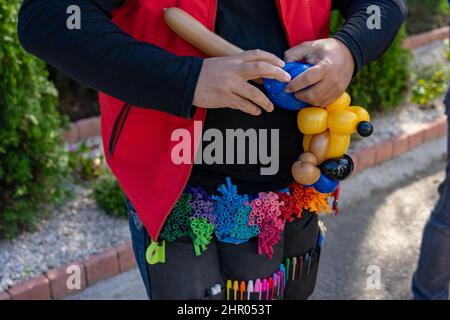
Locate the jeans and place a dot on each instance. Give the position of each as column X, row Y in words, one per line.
column 432, row 277
column 187, row 276
column 139, row 238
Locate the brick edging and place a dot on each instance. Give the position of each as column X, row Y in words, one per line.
column 422, row 39
column 81, row 130
column 53, row 283
column 393, row 147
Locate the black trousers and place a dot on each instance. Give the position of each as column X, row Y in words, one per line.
column 186, row 276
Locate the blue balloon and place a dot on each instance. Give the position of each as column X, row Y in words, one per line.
column 325, row 184
column 275, row 88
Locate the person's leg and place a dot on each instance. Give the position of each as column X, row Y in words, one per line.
column 138, row 238
column 432, row 277
column 183, row 276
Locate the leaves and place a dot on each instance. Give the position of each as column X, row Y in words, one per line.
column 429, row 87
column 381, row 84
column 109, row 195
column 30, row 146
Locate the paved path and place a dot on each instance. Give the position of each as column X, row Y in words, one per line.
column 383, row 211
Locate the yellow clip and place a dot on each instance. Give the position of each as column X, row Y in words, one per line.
column 156, row 253
column 228, row 289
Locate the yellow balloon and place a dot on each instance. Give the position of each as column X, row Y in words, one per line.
column 338, row 145
column 306, row 141
column 312, row 120
column 340, row 103
column 342, row 122
column 360, row 112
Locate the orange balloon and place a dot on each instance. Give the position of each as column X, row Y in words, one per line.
column 305, row 173
column 306, row 141
column 308, row 157
column 319, row 145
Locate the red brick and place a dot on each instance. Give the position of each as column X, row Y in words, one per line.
column 101, row 266
column 384, row 150
column 415, row 138
column 441, row 126
column 354, row 157
column 89, row 127
column 58, row 280
column 366, row 158
column 425, row 38
column 37, row 288
column 126, row 257
column 400, row 145
column 430, row 131
column 72, row 134
column 4, row 296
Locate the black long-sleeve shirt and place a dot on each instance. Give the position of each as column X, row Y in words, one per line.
column 87, row 55
column 102, row 56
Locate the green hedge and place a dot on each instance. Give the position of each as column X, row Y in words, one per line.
column 109, row 195
column 32, row 159
column 381, row 84
column 425, row 15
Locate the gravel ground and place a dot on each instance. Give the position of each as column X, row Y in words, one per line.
column 73, row 232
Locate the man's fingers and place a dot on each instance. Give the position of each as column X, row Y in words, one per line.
column 317, row 95
column 261, row 55
column 254, row 95
column 244, row 105
column 299, row 52
column 255, row 70
column 306, row 79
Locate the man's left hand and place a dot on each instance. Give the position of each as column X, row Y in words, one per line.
column 328, row 78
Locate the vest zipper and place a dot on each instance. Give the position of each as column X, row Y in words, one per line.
column 117, row 129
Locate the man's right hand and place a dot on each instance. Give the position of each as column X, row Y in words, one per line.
column 222, row 82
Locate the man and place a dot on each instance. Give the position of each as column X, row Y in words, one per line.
column 432, row 278
column 153, row 83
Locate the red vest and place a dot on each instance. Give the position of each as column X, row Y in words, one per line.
column 142, row 155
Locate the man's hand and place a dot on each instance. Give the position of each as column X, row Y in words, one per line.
column 223, row 81
column 329, row 77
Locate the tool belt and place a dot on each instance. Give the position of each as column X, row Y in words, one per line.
column 235, row 218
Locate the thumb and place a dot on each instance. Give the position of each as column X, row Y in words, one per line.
column 298, row 53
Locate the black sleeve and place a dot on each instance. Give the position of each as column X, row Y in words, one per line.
column 100, row 55
column 367, row 44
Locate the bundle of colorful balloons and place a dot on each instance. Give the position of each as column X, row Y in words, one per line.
column 326, row 131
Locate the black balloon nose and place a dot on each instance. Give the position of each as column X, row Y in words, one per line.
column 364, row 128
column 337, row 168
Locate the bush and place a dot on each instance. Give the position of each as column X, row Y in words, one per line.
column 430, row 84
column 32, row 157
column 425, row 15
column 381, row 84
column 109, row 195
column 85, row 166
